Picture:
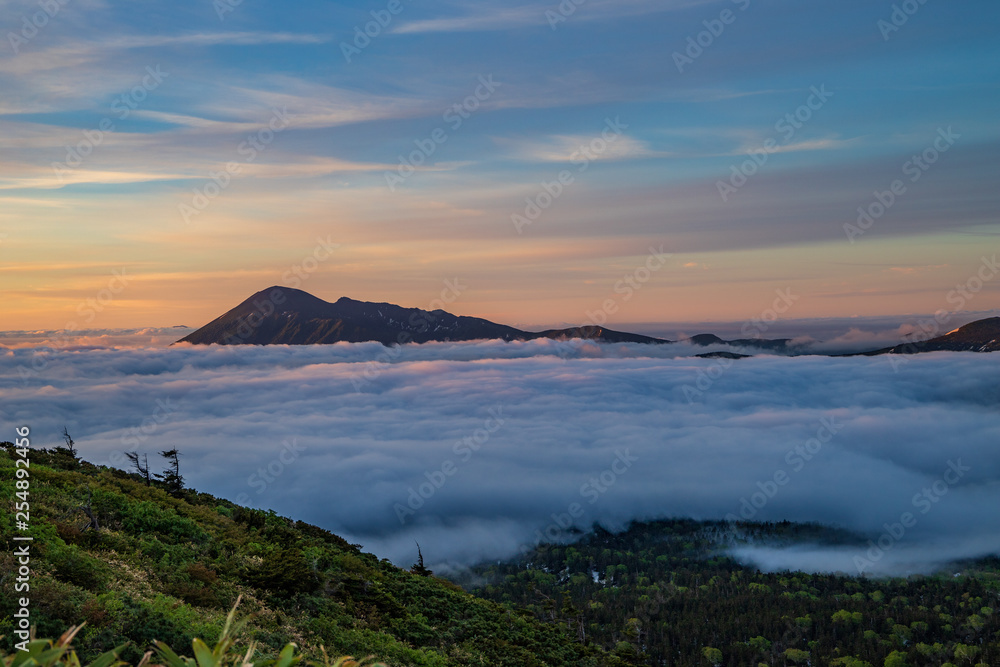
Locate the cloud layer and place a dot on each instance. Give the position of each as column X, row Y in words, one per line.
column 471, row 448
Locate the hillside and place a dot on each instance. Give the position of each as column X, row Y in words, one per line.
column 169, row 568
column 160, row 567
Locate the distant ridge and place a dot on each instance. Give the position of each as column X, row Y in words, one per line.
column 978, row 336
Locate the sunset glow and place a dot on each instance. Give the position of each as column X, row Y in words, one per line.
column 418, row 154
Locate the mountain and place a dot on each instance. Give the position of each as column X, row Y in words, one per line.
column 283, row 315
column 779, row 345
column 722, row 354
column 978, row 336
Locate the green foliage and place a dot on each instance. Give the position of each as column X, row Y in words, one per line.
column 59, row 653
column 46, row 653
column 849, row 661
column 895, row 659
column 712, row 655
column 796, row 656
column 846, row 617
column 285, row 573
column 965, row 653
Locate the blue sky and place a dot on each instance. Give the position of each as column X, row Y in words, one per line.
column 654, row 182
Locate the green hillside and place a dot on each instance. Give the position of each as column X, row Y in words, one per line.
column 138, row 564
column 169, row 568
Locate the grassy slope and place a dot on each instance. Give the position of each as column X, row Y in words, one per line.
column 170, row 568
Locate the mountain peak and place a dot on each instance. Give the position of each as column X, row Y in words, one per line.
column 289, row 316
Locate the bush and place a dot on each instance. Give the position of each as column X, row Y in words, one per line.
column 59, row 653
column 285, row 573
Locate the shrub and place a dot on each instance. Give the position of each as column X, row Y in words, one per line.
column 59, row 653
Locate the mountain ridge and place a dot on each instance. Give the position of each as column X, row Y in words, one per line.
column 979, row 336
column 285, row 315
column 288, row 316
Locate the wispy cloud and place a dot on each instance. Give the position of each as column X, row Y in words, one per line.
column 815, row 145
column 565, row 148
column 76, row 53
column 913, row 270
column 476, row 17
column 50, row 180
column 497, row 18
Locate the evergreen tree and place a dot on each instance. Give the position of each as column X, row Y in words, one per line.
column 142, row 469
column 70, row 444
column 171, row 476
column 418, row 567
column 68, row 454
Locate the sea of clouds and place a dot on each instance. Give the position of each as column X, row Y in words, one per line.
column 475, row 450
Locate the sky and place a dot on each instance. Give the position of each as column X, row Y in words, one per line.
column 160, row 162
column 471, row 449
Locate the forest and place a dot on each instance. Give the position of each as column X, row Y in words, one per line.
column 666, row 593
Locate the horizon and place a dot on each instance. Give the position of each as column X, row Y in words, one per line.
column 88, row 309
column 880, row 331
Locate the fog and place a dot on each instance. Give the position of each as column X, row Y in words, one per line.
column 474, row 450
